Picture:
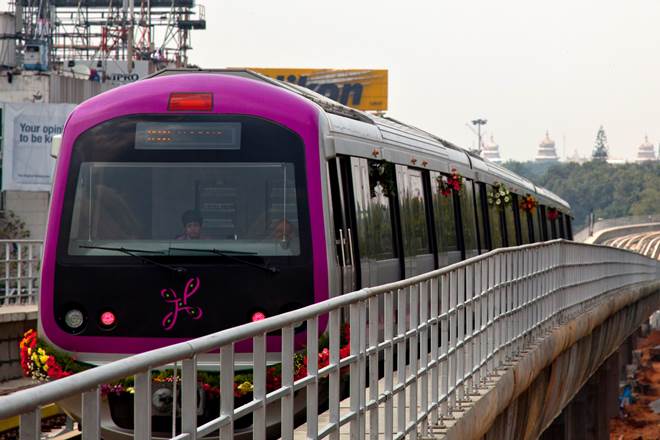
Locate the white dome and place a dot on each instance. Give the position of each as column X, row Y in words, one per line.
column 646, row 151
column 546, row 151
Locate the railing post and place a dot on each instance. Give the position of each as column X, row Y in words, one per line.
column 444, row 344
column 30, row 425
column 19, row 273
column 414, row 354
column 287, row 383
column 389, row 364
column 355, row 390
column 32, row 296
column 91, row 415
column 424, row 352
column 227, row 390
column 469, row 326
column 312, row 388
column 189, row 397
column 335, row 379
column 142, row 409
column 401, row 361
column 259, row 371
column 373, row 367
column 453, row 332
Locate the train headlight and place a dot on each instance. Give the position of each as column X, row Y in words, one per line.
column 74, row 319
column 258, row 316
column 108, row 319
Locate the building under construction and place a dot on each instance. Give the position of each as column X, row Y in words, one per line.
column 77, row 36
column 57, row 53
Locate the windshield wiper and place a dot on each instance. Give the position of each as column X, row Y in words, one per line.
column 227, row 254
column 132, row 253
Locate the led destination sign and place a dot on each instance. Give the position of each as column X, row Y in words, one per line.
column 188, row 135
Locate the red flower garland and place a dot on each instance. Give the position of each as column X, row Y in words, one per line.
column 553, row 214
column 36, row 361
column 447, row 184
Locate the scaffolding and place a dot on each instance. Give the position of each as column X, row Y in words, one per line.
column 158, row 31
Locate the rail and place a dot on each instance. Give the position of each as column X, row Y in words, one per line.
column 469, row 320
column 20, row 262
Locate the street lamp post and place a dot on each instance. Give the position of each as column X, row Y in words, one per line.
column 479, row 123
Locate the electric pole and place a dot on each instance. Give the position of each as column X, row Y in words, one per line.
column 479, row 123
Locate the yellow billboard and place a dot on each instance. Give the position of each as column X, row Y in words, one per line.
column 362, row 89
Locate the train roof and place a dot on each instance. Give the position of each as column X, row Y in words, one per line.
column 381, row 128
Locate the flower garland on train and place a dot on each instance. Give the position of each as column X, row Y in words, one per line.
column 382, row 173
column 552, row 214
column 41, row 362
column 447, row 184
column 499, row 196
column 528, row 203
column 44, row 363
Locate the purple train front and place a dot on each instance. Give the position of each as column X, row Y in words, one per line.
column 182, row 205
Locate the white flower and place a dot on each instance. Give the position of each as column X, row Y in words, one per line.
column 499, row 202
column 506, row 199
column 502, row 192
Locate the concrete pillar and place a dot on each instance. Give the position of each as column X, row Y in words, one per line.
column 612, row 384
column 587, row 416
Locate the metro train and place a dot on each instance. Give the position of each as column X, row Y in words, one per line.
column 198, row 200
column 298, row 199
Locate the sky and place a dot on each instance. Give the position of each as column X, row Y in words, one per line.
column 563, row 66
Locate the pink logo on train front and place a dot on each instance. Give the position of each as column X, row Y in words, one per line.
column 180, row 304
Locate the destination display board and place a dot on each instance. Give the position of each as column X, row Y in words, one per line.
column 362, row 89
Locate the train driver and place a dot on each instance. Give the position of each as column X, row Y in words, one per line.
column 192, row 225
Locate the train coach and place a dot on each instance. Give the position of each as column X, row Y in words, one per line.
column 196, row 201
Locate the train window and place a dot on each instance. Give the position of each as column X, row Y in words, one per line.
column 374, row 186
column 445, row 225
column 560, row 223
column 374, row 217
column 535, row 228
column 510, row 223
column 553, row 228
column 468, row 218
column 543, row 223
column 251, row 207
column 481, row 219
column 569, row 228
column 414, row 226
column 524, row 225
column 495, row 220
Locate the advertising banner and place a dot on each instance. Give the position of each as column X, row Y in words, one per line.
column 115, row 72
column 28, row 131
column 358, row 88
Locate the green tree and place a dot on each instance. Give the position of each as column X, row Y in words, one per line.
column 607, row 190
column 600, row 151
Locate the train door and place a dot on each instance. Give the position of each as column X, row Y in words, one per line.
column 371, row 190
column 344, row 231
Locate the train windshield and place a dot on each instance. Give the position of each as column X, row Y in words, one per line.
column 185, row 198
column 241, row 207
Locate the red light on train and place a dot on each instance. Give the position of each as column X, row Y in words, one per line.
column 108, row 318
column 258, row 316
column 198, row 102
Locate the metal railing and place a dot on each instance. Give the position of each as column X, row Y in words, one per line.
column 645, row 243
column 20, row 263
column 599, row 225
column 439, row 337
